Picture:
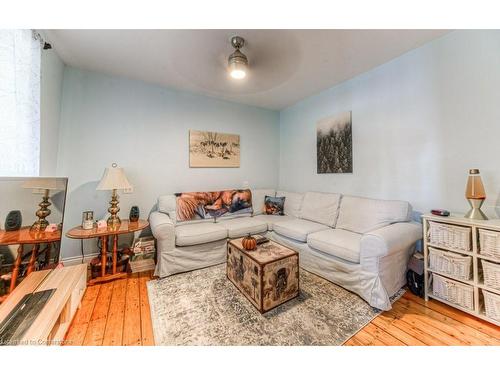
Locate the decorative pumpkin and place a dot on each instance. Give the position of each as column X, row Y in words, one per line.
column 249, row 242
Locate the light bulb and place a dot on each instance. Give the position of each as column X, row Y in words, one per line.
column 238, row 73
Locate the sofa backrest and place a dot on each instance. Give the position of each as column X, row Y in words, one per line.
column 321, row 208
column 363, row 215
column 293, row 202
column 166, row 204
column 258, row 198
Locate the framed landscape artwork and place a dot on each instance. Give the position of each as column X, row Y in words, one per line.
column 334, row 144
column 213, row 150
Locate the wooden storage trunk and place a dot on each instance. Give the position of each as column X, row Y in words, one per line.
column 268, row 276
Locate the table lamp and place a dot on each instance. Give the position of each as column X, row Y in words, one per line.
column 475, row 194
column 45, row 185
column 113, row 179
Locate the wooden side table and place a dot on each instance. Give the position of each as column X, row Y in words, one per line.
column 25, row 236
column 104, row 233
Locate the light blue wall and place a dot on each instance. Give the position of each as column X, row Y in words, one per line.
column 144, row 128
column 419, row 123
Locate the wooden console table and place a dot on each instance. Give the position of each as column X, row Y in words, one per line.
column 25, row 236
column 104, row 233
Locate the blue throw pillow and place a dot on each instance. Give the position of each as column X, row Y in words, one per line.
column 274, row 205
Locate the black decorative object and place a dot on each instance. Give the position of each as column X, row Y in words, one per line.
column 13, row 221
column 134, row 214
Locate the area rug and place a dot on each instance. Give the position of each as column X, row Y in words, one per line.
column 203, row 307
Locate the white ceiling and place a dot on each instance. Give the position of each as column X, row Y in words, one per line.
column 285, row 65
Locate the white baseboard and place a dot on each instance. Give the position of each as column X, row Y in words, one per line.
column 71, row 261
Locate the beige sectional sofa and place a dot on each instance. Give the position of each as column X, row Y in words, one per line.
column 358, row 243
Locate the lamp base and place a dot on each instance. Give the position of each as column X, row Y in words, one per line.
column 475, row 211
column 114, row 220
column 42, row 213
column 39, row 225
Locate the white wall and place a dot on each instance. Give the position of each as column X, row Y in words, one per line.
column 419, row 123
column 52, row 69
column 144, row 128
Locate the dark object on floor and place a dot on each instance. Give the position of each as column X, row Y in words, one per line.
column 440, row 212
column 134, row 214
column 415, row 283
column 22, row 317
column 13, row 221
column 415, row 274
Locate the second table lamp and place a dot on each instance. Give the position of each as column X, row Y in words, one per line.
column 114, row 179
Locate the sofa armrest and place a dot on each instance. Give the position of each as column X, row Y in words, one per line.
column 390, row 239
column 161, row 225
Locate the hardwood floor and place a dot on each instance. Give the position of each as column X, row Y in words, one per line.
column 114, row 313
column 117, row 313
column 412, row 321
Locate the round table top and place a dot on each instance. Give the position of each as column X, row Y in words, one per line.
column 125, row 227
column 27, row 236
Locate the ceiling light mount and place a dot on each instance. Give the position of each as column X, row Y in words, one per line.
column 237, row 42
column 237, row 62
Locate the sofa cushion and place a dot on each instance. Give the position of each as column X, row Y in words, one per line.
column 272, row 219
column 258, row 196
column 213, row 204
column 363, row 215
column 167, row 204
column 274, row 205
column 320, row 207
column 298, row 229
column 293, row 202
column 195, row 234
column 337, row 242
column 242, row 226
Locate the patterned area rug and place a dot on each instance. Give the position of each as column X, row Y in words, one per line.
column 203, row 307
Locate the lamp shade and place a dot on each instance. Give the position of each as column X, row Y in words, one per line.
column 45, row 183
column 114, row 178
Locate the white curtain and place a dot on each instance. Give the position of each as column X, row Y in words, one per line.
column 19, row 103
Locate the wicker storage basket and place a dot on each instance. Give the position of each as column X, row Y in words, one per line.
column 491, row 274
column 455, row 265
column 450, row 236
column 492, row 305
column 453, row 291
column 489, row 243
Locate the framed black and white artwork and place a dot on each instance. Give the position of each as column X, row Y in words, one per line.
column 334, row 144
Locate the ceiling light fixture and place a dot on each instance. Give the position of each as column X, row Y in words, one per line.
column 237, row 62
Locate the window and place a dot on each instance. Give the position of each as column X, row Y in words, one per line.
column 19, row 103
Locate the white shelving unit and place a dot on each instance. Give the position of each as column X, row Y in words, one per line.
column 476, row 282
